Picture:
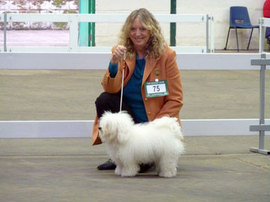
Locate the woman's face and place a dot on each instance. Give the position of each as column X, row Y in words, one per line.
column 139, row 35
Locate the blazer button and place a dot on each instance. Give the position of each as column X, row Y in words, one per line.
column 145, row 99
column 149, row 113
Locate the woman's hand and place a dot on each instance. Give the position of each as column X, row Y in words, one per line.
column 118, row 54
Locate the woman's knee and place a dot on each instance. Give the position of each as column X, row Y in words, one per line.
column 103, row 98
column 107, row 102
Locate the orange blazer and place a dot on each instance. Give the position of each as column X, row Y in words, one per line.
column 165, row 68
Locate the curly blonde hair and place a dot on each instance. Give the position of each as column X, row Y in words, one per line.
column 156, row 43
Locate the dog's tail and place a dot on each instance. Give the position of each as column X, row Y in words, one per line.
column 173, row 125
column 176, row 128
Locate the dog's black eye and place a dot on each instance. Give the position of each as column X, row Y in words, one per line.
column 99, row 128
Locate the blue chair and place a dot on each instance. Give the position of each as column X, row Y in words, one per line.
column 239, row 19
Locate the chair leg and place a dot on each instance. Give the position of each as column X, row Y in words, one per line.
column 237, row 39
column 250, row 38
column 227, row 38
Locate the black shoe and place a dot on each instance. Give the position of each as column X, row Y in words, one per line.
column 108, row 165
column 146, row 167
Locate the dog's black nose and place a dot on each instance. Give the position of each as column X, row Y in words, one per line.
column 99, row 128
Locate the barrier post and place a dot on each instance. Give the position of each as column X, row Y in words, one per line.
column 261, row 127
column 261, row 36
column 83, row 26
column 5, row 32
column 173, row 25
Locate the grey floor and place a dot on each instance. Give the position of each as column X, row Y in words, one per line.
column 212, row 169
column 70, row 94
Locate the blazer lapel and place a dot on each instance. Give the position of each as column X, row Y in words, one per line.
column 149, row 66
column 130, row 67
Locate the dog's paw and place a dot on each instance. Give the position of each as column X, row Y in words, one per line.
column 168, row 173
column 130, row 172
column 117, row 171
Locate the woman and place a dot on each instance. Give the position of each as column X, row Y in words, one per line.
column 152, row 85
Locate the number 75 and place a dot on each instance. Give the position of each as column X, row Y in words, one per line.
column 156, row 88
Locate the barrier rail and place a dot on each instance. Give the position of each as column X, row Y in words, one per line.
column 82, row 128
column 74, row 19
column 99, row 60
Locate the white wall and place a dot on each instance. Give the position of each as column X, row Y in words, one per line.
column 192, row 34
column 220, row 10
column 107, row 34
column 187, row 34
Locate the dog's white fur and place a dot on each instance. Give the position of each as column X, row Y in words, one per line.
column 129, row 144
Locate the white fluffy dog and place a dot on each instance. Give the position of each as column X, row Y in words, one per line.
column 130, row 145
